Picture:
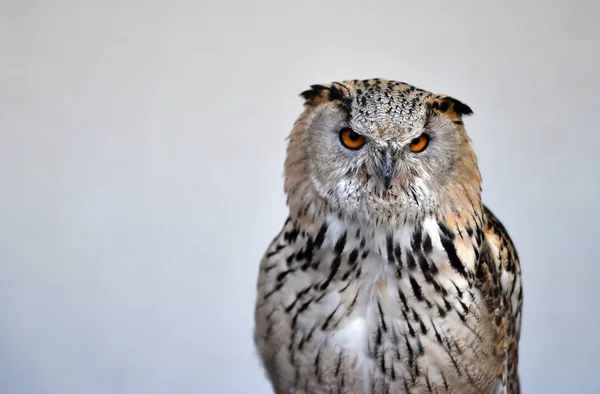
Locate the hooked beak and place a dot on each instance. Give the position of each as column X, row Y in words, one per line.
column 385, row 168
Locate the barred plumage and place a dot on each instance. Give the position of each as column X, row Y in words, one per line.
column 411, row 288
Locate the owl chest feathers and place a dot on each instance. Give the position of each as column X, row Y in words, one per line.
column 374, row 309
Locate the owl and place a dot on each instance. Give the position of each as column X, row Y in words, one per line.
column 390, row 275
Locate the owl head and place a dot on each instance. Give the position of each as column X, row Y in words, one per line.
column 379, row 152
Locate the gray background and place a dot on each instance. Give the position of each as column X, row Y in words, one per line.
column 141, row 151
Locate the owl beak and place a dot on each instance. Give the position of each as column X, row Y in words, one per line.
column 385, row 168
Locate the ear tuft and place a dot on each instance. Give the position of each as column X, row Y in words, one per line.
column 335, row 92
column 460, row 107
column 450, row 106
column 313, row 93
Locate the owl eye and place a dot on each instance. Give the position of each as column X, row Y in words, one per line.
column 351, row 140
column 420, row 143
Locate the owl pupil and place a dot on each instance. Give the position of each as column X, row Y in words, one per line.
column 416, row 141
column 353, row 136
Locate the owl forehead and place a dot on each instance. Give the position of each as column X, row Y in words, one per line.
column 386, row 108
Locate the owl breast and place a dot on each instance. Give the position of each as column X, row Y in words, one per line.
column 372, row 311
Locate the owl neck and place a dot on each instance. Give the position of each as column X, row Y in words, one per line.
column 460, row 207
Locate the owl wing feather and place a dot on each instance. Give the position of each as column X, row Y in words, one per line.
column 498, row 277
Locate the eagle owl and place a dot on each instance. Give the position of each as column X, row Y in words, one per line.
column 389, row 275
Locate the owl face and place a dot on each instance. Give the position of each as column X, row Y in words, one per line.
column 377, row 150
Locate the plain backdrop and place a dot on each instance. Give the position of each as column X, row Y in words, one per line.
column 141, row 159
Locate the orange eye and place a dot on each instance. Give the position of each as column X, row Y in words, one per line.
column 420, row 143
column 351, row 140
